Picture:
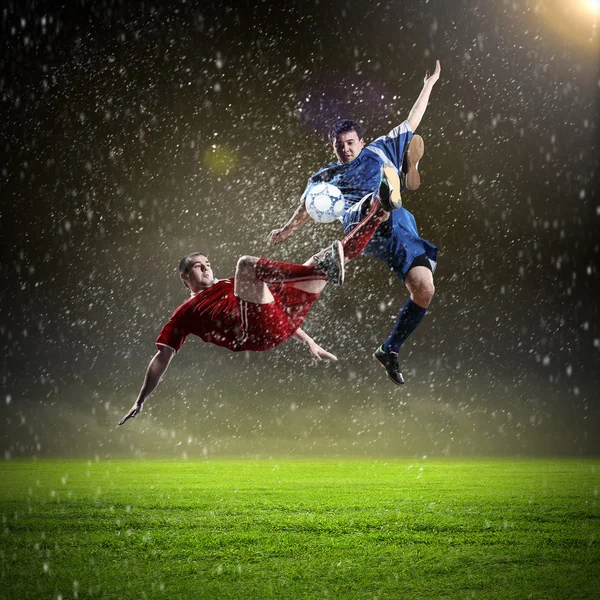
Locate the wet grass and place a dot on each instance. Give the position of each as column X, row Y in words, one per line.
column 300, row 529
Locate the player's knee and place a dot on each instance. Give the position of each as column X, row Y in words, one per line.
column 246, row 263
column 429, row 290
column 421, row 290
column 423, row 294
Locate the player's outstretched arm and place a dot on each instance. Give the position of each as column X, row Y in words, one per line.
column 314, row 348
column 156, row 369
column 418, row 110
column 299, row 218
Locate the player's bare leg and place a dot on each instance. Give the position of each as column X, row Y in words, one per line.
column 253, row 274
column 389, row 190
column 326, row 259
column 414, row 153
column 419, row 282
column 327, row 265
column 247, row 286
column 354, row 243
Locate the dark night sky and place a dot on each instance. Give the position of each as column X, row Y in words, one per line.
column 133, row 132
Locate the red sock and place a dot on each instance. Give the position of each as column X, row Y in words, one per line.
column 273, row 271
column 354, row 243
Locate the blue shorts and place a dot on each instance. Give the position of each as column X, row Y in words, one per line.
column 396, row 242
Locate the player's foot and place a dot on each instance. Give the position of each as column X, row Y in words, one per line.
column 333, row 263
column 410, row 164
column 389, row 361
column 389, row 190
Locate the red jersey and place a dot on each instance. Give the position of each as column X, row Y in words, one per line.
column 218, row 316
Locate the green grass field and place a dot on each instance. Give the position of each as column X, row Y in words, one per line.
column 300, row 529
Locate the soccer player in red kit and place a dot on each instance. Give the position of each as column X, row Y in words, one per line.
column 264, row 305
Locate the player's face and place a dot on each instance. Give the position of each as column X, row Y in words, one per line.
column 347, row 146
column 199, row 275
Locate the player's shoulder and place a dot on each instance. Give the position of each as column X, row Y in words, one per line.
column 325, row 173
column 329, row 165
column 403, row 128
column 183, row 307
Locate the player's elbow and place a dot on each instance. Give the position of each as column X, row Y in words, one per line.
column 163, row 357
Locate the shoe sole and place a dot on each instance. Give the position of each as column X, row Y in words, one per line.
column 415, row 152
column 338, row 253
column 386, row 371
column 395, row 199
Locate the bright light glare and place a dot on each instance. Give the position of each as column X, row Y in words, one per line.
column 593, row 5
column 574, row 20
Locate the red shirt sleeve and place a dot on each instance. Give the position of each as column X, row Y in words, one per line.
column 173, row 334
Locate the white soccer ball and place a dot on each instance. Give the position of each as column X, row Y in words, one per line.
column 324, row 202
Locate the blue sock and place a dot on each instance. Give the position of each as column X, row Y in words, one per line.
column 408, row 319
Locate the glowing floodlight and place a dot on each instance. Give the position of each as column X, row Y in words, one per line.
column 593, row 5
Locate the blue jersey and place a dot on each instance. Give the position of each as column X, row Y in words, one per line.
column 362, row 176
column 397, row 242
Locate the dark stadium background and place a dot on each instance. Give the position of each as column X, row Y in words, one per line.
column 133, row 132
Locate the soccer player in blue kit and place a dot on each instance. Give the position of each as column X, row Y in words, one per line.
column 358, row 173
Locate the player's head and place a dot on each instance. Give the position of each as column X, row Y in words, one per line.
column 195, row 272
column 346, row 139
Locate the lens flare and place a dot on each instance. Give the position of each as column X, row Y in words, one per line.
column 220, row 159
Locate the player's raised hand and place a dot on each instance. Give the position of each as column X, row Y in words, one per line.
column 277, row 236
column 431, row 79
column 135, row 410
column 320, row 353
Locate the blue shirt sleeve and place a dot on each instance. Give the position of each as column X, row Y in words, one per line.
column 391, row 147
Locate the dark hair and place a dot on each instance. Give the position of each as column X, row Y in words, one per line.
column 344, row 126
column 184, row 263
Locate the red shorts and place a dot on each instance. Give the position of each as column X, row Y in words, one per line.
column 265, row 326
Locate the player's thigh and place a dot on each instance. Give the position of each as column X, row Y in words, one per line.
column 315, row 286
column 295, row 303
column 263, row 326
column 253, row 290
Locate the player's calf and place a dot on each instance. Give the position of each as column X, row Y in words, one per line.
column 389, row 190
column 410, row 164
column 332, row 263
